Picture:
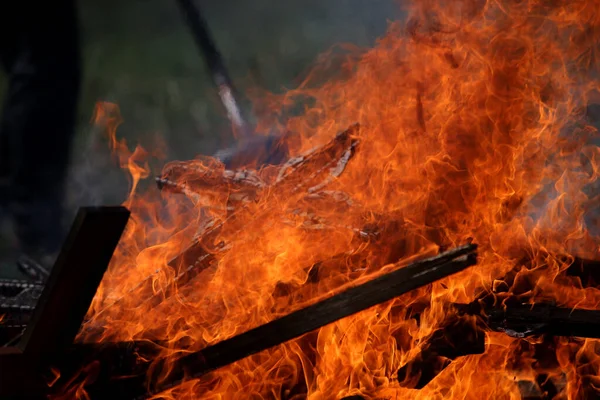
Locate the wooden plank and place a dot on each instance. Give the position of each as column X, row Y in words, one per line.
column 524, row 320
column 344, row 304
column 74, row 279
column 64, row 301
column 133, row 380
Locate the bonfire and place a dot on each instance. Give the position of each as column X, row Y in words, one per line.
column 467, row 124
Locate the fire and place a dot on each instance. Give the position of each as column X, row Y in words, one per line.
column 472, row 127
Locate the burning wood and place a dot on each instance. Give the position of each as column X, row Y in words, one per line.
column 341, row 305
column 329, row 161
column 472, row 127
column 525, row 320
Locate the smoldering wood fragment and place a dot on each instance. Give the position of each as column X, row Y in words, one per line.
column 198, row 199
column 456, row 338
column 198, row 175
column 211, row 186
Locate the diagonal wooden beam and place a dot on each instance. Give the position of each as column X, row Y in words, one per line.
column 64, row 301
column 74, row 279
column 130, row 378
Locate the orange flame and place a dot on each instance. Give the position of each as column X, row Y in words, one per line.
column 473, row 126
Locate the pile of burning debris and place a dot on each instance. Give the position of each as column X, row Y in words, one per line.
column 121, row 371
column 417, row 254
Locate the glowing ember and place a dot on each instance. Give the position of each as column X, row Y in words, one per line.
column 472, row 126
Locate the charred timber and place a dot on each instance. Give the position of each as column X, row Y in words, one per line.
column 63, row 301
column 524, row 320
column 132, row 380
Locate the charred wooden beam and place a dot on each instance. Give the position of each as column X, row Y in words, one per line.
column 64, row 300
column 74, row 280
column 133, row 382
column 346, row 303
column 524, row 320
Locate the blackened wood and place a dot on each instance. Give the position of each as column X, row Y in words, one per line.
column 64, row 301
column 524, row 320
column 74, row 279
column 351, row 301
column 457, row 337
column 133, row 379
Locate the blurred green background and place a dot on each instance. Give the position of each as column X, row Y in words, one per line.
column 141, row 55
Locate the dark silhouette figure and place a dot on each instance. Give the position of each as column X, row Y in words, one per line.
column 39, row 52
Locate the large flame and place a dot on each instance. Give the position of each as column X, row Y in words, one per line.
column 472, row 127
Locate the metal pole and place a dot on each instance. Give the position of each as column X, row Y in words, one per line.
column 215, row 64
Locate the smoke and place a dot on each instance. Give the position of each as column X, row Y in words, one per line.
column 141, row 56
column 95, row 177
